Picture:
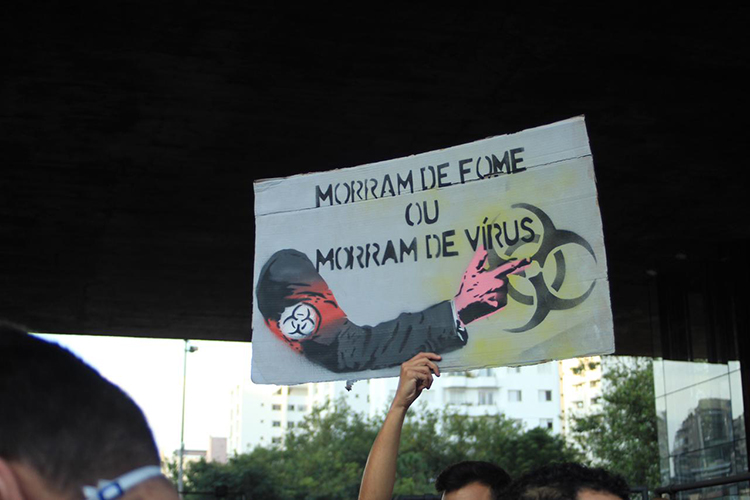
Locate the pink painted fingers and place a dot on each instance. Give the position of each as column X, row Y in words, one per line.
column 483, row 291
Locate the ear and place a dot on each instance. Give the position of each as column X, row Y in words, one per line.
column 9, row 486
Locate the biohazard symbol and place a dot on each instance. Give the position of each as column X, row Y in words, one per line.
column 546, row 300
column 299, row 321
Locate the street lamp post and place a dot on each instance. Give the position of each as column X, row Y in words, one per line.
column 188, row 348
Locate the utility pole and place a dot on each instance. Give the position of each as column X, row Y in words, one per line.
column 188, row 348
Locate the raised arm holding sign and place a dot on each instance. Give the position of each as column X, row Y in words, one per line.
column 470, row 479
column 380, row 472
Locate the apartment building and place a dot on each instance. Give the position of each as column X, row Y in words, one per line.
column 529, row 395
column 261, row 415
column 580, row 387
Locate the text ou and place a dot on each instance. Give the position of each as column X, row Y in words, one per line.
column 416, row 213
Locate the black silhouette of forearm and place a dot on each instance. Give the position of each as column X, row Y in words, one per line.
column 356, row 348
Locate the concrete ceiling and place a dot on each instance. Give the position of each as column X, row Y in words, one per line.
column 132, row 134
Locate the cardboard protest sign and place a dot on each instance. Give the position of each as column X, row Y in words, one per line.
column 489, row 253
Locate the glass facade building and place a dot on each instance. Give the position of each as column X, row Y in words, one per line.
column 701, row 425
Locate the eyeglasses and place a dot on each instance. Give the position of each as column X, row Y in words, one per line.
column 109, row 490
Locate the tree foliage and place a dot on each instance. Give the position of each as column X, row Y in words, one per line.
column 622, row 436
column 324, row 457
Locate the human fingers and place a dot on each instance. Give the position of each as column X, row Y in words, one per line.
column 410, row 379
column 422, row 376
column 425, row 380
column 421, row 370
column 428, row 355
column 433, row 367
column 425, row 358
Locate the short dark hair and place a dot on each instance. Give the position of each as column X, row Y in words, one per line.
column 460, row 474
column 563, row 481
column 60, row 417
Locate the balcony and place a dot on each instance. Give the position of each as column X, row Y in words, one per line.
column 470, row 382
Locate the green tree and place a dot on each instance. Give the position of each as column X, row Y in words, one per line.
column 431, row 441
column 421, row 454
column 499, row 440
column 325, row 455
column 323, row 458
column 255, row 475
column 535, row 448
column 622, row 436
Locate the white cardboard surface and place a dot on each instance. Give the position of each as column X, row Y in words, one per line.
column 549, row 196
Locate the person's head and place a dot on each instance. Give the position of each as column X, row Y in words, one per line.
column 472, row 480
column 295, row 300
column 568, row 481
column 63, row 427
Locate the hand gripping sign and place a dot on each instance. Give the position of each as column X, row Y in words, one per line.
column 489, row 253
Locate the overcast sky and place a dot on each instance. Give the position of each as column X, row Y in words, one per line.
column 150, row 371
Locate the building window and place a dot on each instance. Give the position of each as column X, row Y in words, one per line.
column 276, row 407
column 594, row 383
column 545, row 395
column 486, row 398
column 544, row 368
column 514, row 369
column 290, row 407
column 595, row 400
column 276, row 440
column 290, row 425
column 455, row 397
column 546, row 423
column 514, row 396
column 579, row 404
column 301, row 408
column 278, row 392
column 276, row 423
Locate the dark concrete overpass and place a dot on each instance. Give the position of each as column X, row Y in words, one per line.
column 132, row 134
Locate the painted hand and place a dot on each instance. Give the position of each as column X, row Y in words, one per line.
column 416, row 376
column 484, row 292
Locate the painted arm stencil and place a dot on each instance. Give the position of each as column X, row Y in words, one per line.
column 299, row 308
